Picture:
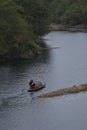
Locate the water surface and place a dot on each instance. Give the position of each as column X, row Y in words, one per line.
column 63, row 67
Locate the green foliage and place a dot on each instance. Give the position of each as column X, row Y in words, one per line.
column 69, row 11
column 21, row 23
column 85, row 15
column 13, row 28
column 74, row 15
column 37, row 14
column 60, row 8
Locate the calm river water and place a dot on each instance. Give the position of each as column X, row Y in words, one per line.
column 63, row 67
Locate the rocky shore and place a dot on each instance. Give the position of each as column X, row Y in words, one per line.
column 75, row 28
column 65, row 91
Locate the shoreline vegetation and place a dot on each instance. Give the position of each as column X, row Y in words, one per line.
column 43, row 47
column 27, row 55
column 65, row 91
column 23, row 23
column 72, row 28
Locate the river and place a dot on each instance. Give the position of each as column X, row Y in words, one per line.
column 62, row 67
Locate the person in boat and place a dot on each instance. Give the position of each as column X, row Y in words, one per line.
column 32, row 84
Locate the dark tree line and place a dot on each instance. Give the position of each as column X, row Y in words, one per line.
column 22, row 23
column 69, row 11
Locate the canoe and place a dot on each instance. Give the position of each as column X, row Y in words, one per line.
column 40, row 86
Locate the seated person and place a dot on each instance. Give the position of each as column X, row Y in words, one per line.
column 32, row 84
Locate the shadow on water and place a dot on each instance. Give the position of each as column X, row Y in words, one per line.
column 15, row 75
column 22, row 65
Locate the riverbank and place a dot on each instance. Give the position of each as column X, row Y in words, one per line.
column 65, row 91
column 34, row 51
column 73, row 28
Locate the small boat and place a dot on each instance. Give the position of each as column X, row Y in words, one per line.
column 40, row 86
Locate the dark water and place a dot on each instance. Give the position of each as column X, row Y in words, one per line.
column 63, row 67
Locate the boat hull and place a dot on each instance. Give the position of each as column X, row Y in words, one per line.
column 39, row 87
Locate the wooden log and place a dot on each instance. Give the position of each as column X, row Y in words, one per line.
column 65, row 91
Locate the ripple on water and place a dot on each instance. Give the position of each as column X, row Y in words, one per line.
column 20, row 99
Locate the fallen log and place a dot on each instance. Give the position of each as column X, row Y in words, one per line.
column 65, row 91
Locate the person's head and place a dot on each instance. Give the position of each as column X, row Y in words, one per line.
column 31, row 80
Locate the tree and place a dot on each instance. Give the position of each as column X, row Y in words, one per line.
column 74, row 15
column 15, row 32
column 37, row 13
column 22, row 22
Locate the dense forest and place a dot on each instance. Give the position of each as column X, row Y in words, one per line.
column 24, row 22
column 70, row 12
